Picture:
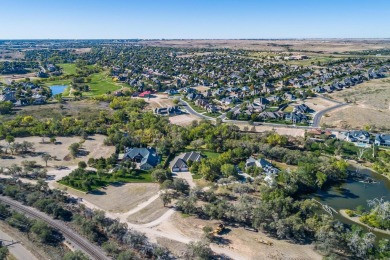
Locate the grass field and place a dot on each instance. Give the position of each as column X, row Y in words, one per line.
column 101, row 83
column 104, row 180
column 68, row 68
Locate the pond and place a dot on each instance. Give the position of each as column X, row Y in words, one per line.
column 57, row 89
column 353, row 193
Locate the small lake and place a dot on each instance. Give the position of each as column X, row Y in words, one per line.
column 57, row 89
column 353, row 193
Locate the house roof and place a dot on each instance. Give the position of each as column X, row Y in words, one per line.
column 148, row 155
column 180, row 163
column 192, row 156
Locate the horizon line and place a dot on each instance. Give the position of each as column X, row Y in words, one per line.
column 202, row 39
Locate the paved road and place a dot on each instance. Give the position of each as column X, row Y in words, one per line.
column 76, row 239
column 15, row 247
column 193, row 112
column 317, row 116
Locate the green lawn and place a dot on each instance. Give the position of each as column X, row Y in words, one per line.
column 288, row 109
column 212, row 114
column 101, row 83
column 196, row 108
column 68, row 68
column 106, row 179
column 210, row 154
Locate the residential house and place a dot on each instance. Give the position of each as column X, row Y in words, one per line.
column 358, row 137
column 261, row 101
column 296, row 118
column 167, row 111
column 147, row 158
column 382, row 140
column 303, row 108
column 181, row 162
column 267, row 167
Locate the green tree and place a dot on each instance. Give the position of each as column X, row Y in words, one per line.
column 228, row 170
column 82, row 165
column 76, row 255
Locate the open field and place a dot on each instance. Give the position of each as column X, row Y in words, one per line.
column 93, row 147
column 101, row 82
column 280, row 130
column 372, row 94
column 239, row 240
column 68, row 68
column 371, row 106
column 309, row 45
column 158, row 100
column 79, row 109
column 357, row 117
column 201, row 88
column 9, row 78
column 183, row 120
column 318, row 103
column 120, row 198
column 148, row 214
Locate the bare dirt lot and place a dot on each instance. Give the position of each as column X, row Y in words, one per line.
column 120, row 198
column 183, row 120
column 159, row 100
column 148, row 214
column 372, row 94
column 318, row 103
column 93, row 147
column 371, row 106
column 201, row 88
column 280, row 130
column 241, row 241
column 357, row 117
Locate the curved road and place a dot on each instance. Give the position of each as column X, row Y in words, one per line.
column 77, row 240
column 317, row 116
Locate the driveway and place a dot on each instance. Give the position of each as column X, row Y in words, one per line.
column 186, row 176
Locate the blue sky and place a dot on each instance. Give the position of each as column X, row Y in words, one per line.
column 196, row 19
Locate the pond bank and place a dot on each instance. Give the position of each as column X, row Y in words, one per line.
column 357, row 221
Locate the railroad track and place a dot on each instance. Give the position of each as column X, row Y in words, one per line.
column 93, row 251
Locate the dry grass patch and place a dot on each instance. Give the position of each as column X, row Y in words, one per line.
column 372, row 94
column 120, row 198
column 93, row 147
column 357, row 117
column 148, row 214
column 183, row 120
column 241, row 242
